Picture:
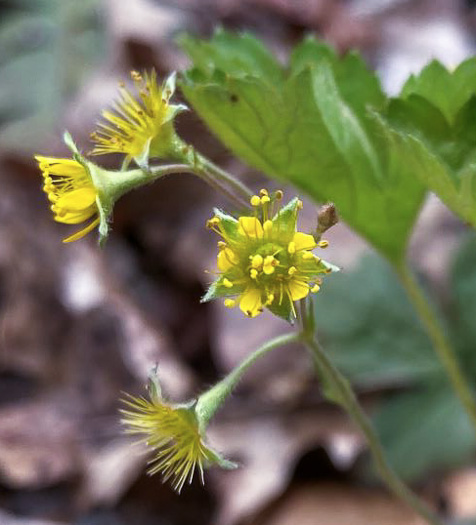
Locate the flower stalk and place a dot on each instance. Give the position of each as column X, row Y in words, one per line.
column 209, row 402
column 338, row 389
column 218, row 178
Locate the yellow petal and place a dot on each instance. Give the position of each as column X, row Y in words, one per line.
column 250, row 302
column 57, row 166
column 298, row 289
column 77, row 200
column 79, row 235
column 250, row 227
column 76, row 217
column 226, row 259
column 304, row 241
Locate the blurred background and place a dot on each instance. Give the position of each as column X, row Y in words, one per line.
column 79, row 325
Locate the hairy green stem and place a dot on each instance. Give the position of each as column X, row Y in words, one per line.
column 441, row 345
column 224, row 177
column 209, row 402
column 217, row 177
column 155, row 172
column 343, row 394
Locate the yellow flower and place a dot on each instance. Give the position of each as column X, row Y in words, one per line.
column 264, row 261
column 140, row 127
column 175, row 434
column 71, row 191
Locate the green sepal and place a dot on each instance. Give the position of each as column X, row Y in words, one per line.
column 104, row 202
column 68, row 140
column 103, row 228
column 217, row 289
column 142, row 160
column 285, row 220
column 211, row 293
column 216, row 458
column 153, row 385
column 168, row 86
column 163, row 145
column 283, row 310
column 228, row 223
column 326, row 266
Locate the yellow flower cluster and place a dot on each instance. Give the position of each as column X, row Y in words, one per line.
column 263, row 260
column 139, row 127
column 174, row 435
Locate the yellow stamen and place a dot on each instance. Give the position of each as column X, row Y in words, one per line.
column 323, row 244
column 269, row 264
column 257, row 261
column 229, row 303
column 227, row 283
column 253, row 273
column 292, row 270
column 291, row 248
column 255, row 200
column 315, row 288
column 136, row 76
column 213, row 223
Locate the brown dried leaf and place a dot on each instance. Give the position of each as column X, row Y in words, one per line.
column 268, row 448
column 37, row 445
column 332, row 504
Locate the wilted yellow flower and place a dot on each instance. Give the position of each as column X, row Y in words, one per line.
column 72, row 193
column 140, row 127
column 264, row 261
column 175, row 433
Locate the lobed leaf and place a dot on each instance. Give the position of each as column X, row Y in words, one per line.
column 311, row 124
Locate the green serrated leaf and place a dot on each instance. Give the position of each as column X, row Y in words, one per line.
column 448, row 91
column 447, row 151
column 359, row 87
column 369, row 329
column 238, row 55
column 312, row 127
column 463, row 308
column 425, row 431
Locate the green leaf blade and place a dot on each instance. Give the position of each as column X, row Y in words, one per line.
column 312, row 128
